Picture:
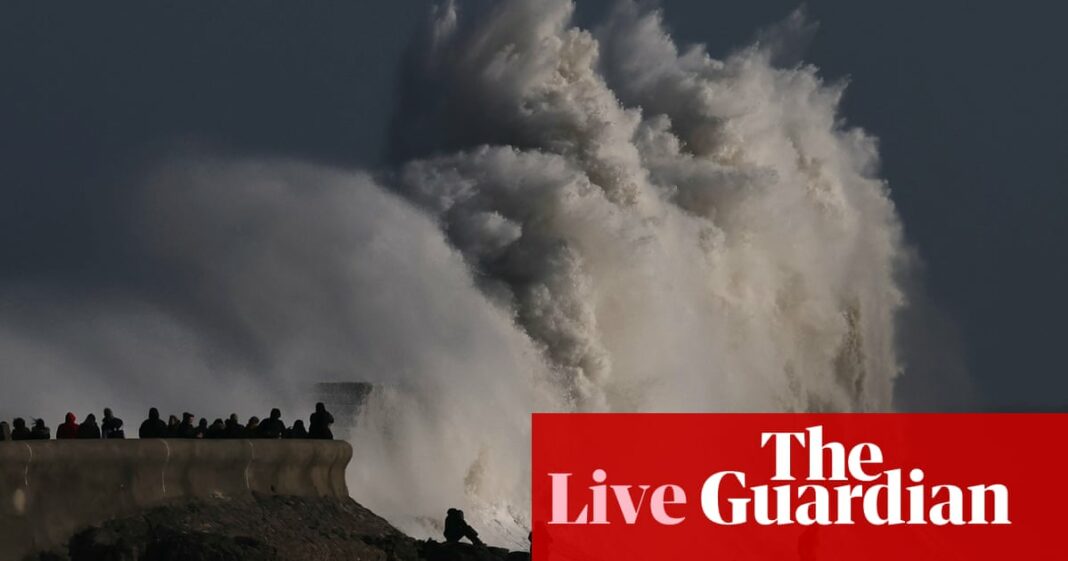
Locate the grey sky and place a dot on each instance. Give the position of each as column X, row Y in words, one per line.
column 967, row 99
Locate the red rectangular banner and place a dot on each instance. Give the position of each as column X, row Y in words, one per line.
column 827, row 487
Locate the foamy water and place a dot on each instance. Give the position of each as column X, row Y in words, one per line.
column 573, row 220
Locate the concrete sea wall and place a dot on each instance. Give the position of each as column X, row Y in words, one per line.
column 50, row 489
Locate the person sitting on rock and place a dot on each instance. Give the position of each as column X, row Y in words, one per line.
column 273, row 427
column 153, row 426
column 20, row 432
column 40, row 431
column 457, row 528
column 298, row 430
column 68, row 429
column 111, row 426
column 89, row 428
column 320, row 423
column 234, row 428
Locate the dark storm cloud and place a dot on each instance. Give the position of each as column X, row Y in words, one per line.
column 93, row 90
column 96, row 97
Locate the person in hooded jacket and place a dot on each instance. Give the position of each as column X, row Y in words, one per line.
column 273, row 427
column 153, row 426
column 234, row 429
column 111, row 426
column 40, row 431
column 320, row 423
column 68, row 429
column 456, row 528
column 172, row 426
column 216, row 430
column 89, row 428
column 19, row 431
column 252, row 429
column 298, row 430
column 201, row 429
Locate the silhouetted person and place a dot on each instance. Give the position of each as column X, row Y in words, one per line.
column 252, row 429
column 153, row 427
column 186, row 429
column 298, row 430
column 457, row 528
column 111, row 426
column 69, row 429
column 216, row 430
column 40, row 431
column 5, row 432
column 172, row 426
column 89, row 428
column 234, row 428
column 202, row 429
column 20, row 432
column 320, row 423
column 273, row 427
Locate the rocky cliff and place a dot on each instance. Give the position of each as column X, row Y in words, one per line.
column 261, row 528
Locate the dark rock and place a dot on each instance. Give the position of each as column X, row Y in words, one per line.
column 103, row 544
column 436, row 551
column 57, row 555
column 396, row 548
column 265, row 528
column 201, row 546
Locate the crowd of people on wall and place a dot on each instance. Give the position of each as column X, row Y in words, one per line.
column 154, row 426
